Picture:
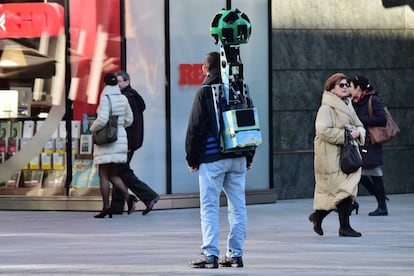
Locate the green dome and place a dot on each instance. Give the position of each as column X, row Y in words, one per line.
column 231, row 27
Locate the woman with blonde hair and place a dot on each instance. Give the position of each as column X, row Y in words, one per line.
column 334, row 189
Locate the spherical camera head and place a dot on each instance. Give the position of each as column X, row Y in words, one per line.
column 231, row 27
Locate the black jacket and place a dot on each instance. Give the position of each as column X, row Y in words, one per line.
column 135, row 132
column 202, row 128
column 372, row 155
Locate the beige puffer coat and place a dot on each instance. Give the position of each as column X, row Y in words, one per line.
column 332, row 185
column 115, row 152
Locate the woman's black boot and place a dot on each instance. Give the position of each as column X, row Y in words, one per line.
column 354, row 206
column 316, row 218
column 368, row 184
column 131, row 203
column 379, row 192
column 345, row 229
column 104, row 212
column 380, row 211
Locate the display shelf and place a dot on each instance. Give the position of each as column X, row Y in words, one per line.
column 33, row 191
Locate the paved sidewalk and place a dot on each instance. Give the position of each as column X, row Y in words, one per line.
column 280, row 242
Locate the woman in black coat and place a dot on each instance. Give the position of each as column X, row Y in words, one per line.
column 372, row 157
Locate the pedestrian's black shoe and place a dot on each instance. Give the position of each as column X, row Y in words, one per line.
column 354, row 206
column 204, row 262
column 150, row 205
column 380, row 211
column 231, row 261
column 317, row 223
column 349, row 232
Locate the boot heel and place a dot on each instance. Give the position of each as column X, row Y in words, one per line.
column 131, row 205
column 354, row 206
column 103, row 213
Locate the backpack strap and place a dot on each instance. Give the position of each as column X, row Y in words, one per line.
column 110, row 105
column 216, row 92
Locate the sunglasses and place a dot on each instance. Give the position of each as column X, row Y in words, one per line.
column 343, row 84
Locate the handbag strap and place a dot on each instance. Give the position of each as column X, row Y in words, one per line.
column 347, row 137
column 110, row 105
column 370, row 112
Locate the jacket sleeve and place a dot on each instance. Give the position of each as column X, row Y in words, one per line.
column 195, row 131
column 129, row 116
column 359, row 126
column 102, row 115
column 325, row 126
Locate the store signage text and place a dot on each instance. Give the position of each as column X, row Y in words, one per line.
column 3, row 22
column 191, row 74
column 28, row 20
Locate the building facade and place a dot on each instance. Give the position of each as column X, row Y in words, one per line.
column 311, row 40
column 294, row 46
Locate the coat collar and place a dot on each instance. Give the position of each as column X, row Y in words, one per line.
column 213, row 77
column 111, row 90
column 363, row 95
column 332, row 100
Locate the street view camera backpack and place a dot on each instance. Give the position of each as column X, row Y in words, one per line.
column 237, row 118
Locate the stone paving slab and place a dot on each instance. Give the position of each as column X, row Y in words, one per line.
column 280, row 241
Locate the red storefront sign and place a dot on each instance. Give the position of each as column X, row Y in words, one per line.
column 29, row 20
column 191, row 74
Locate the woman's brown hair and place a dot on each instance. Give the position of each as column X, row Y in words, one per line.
column 333, row 80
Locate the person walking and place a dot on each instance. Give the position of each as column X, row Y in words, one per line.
column 135, row 134
column 109, row 157
column 363, row 95
column 217, row 171
column 334, row 190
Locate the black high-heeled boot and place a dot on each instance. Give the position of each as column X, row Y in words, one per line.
column 131, row 206
column 345, row 229
column 379, row 194
column 354, row 206
column 316, row 218
column 103, row 213
column 380, row 211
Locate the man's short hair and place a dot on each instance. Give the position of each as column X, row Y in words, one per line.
column 212, row 61
column 123, row 74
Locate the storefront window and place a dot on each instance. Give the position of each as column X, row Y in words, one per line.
column 95, row 39
column 35, row 137
column 31, row 87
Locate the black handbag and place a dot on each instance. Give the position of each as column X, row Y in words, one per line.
column 109, row 133
column 350, row 159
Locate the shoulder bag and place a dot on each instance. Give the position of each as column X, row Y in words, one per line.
column 350, row 159
column 380, row 135
column 109, row 133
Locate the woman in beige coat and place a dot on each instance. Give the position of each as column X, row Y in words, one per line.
column 109, row 156
column 335, row 189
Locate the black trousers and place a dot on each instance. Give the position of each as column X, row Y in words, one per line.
column 138, row 187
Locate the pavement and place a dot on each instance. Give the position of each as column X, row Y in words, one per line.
column 280, row 241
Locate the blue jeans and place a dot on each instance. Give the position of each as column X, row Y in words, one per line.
column 229, row 175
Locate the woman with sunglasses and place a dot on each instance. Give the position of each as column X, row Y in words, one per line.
column 335, row 190
column 362, row 92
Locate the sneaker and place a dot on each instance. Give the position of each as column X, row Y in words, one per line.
column 231, row 261
column 204, row 262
